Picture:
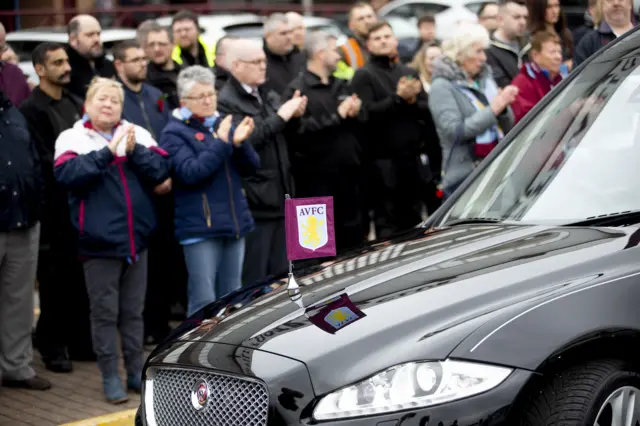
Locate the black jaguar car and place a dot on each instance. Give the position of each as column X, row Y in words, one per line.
column 517, row 303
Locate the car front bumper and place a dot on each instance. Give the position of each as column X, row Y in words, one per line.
column 492, row 408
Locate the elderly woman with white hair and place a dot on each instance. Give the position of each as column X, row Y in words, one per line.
column 470, row 112
column 110, row 167
column 207, row 157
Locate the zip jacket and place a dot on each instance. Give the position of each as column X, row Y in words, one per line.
column 110, row 195
column 207, row 180
column 533, row 84
column 505, row 62
column 147, row 108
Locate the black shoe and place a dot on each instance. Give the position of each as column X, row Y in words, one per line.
column 34, row 383
column 58, row 364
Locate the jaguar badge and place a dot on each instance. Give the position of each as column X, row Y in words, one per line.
column 200, row 394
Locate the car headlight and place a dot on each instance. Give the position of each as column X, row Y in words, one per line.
column 411, row 385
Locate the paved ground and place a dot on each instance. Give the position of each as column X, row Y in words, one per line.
column 73, row 397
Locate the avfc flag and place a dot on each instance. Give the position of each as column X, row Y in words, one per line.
column 310, row 228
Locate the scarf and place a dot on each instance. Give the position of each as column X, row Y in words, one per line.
column 487, row 140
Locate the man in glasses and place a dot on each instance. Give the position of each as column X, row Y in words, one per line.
column 246, row 94
column 162, row 70
column 146, row 106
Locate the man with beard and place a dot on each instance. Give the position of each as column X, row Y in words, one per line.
column 144, row 106
column 400, row 125
column 49, row 111
column 354, row 51
column 221, row 69
column 162, row 71
column 324, row 149
column 86, row 55
column 190, row 49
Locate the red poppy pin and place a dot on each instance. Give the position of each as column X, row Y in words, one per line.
column 160, row 103
column 200, row 136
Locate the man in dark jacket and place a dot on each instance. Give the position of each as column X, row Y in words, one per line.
column 49, row 111
column 588, row 25
column 21, row 198
column 506, row 51
column 617, row 15
column 145, row 106
column 86, row 54
column 284, row 60
column 324, row 148
column 162, row 71
column 400, row 125
column 246, row 95
column 221, row 69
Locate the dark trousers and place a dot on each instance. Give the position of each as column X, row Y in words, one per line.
column 396, row 203
column 63, row 325
column 116, row 291
column 265, row 251
column 347, row 203
column 167, row 273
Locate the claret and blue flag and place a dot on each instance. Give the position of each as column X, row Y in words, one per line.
column 310, row 228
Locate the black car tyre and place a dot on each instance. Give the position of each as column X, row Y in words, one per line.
column 598, row 393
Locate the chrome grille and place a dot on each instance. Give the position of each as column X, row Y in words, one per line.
column 232, row 401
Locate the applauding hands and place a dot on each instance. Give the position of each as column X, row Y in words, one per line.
column 409, row 88
column 350, row 107
column 128, row 137
column 294, row 107
column 242, row 132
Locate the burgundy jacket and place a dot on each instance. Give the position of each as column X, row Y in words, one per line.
column 533, row 83
column 13, row 83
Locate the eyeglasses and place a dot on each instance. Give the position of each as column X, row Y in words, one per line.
column 202, row 98
column 136, row 60
column 256, row 62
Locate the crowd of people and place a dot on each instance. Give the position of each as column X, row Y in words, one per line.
column 160, row 176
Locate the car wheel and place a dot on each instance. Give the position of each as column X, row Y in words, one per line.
column 597, row 393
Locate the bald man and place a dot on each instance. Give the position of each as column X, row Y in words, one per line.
column 86, row 55
column 245, row 94
column 298, row 29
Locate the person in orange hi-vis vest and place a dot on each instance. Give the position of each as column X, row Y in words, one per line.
column 354, row 52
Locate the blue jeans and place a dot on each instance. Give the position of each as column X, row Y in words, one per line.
column 215, row 269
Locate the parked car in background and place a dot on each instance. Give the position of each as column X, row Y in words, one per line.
column 514, row 304
column 247, row 25
column 446, row 12
column 23, row 42
column 213, row 27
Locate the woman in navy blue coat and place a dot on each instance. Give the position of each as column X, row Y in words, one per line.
column 208, row 159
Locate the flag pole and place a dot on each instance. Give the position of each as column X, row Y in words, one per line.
column 293, row 289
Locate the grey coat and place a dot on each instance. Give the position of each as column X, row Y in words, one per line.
column 458, row 122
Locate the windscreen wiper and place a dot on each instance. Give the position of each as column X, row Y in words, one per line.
column 473, row 220
column 611, row 219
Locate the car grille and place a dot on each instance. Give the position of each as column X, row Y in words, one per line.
column 232, row 401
